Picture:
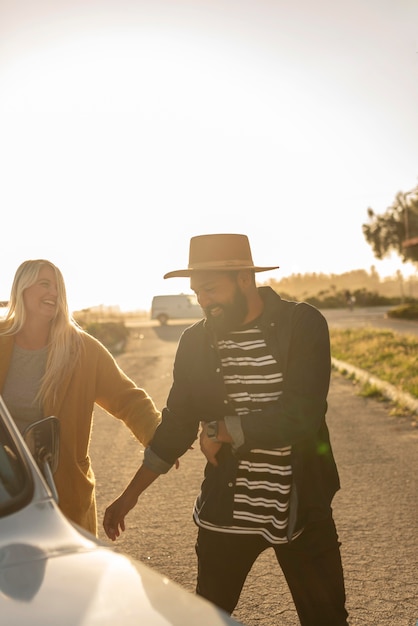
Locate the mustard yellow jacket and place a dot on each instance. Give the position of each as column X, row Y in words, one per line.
column 96, row 379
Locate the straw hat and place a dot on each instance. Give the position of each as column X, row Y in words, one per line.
column 219, row 253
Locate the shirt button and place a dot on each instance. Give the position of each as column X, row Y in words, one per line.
column 225, row 401
column 218, row 369
column 230, row 484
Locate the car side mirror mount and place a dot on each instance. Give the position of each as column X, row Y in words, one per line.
column 42, row 439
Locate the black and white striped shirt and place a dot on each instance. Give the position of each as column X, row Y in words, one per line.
column 253, row 380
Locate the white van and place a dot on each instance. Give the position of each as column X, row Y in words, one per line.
column 178, row 307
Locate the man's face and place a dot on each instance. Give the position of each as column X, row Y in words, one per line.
column 220, row 296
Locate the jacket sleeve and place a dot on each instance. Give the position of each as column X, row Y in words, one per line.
column 181, row 416
column 300, row 410
column 120, row 396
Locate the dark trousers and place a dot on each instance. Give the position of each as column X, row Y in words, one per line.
column 311, row 565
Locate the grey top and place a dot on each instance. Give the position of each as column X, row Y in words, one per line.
column 22, row 383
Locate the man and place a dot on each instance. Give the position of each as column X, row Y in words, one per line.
column 255, row 372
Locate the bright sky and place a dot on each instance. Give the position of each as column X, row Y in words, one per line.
column 128, row 126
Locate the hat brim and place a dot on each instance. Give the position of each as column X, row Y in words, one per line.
column 188, row 272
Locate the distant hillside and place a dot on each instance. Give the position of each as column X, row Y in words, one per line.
column 306, row 286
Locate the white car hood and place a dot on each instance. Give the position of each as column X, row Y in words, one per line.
column 109, row 592
column 63, row 577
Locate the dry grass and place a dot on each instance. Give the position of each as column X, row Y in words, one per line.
column 390, row 356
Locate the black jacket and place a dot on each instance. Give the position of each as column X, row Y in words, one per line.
column 297, row 335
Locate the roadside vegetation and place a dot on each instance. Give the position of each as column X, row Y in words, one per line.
column 368, row 288
column 405, row 311
column 357, row 289
column 387, row 355
column 112, row 333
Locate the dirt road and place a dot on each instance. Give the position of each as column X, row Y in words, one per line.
column 376, row 510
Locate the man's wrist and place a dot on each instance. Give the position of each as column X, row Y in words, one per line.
column 212, row 431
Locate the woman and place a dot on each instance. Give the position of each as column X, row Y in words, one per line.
column 50, row 366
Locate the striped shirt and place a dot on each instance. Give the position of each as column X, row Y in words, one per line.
column 253, row 381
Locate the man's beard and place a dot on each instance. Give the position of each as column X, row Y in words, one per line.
column 232, row 316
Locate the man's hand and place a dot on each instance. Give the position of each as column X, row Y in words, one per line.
column 209, row 447
column 114, row 517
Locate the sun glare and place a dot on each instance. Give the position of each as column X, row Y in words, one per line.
column 122, row 141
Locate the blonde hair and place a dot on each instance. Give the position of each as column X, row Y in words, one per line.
column 64, row 343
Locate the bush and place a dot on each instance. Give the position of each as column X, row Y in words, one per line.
column 405, row 312
column 113, row 335
column 362, row 297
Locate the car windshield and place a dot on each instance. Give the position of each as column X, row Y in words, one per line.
column 15, row 480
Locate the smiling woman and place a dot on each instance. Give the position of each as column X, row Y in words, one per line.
column 50, row 366
column 37, row 315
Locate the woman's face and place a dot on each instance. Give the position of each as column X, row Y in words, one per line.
column 40, row 299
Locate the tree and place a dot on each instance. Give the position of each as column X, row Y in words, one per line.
column 396, row 229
